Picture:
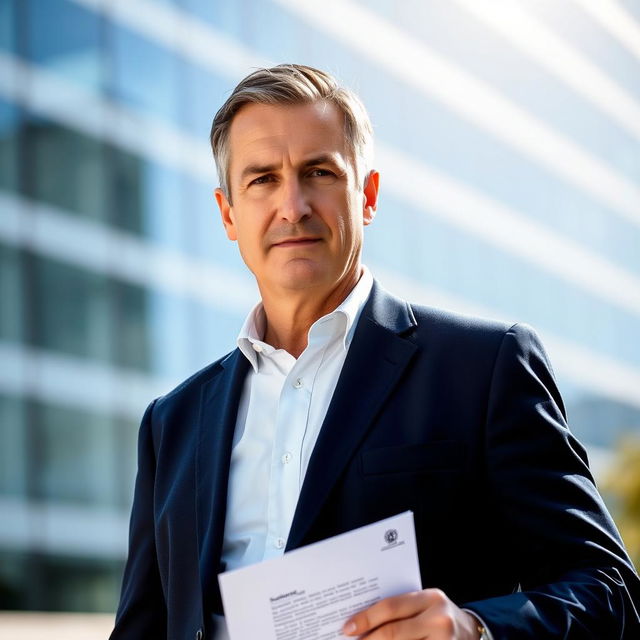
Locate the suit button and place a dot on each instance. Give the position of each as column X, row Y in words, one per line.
column 199, row 634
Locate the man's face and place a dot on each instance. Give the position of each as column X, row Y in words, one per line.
column 297, row 212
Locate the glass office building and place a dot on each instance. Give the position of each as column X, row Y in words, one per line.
column 509, row 146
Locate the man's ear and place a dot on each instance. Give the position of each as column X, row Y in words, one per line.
column 370, row 194
column 226, row 212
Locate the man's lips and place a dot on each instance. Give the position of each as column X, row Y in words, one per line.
column 296, row 242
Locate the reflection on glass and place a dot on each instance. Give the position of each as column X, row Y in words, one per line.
column 203, row 93
column 77, row 173
column 164, row 205
column 229, row 17
column 131, row 326
column 71, row 309
column 9, row 128
column 75, row 454
column 65, row 37
column 465, row 266
column 89, row 315
column 66, row 169
column 145, row 76
column 146, row 198
column 204, row 233
column 170, row 335
column 126, row 438
column 13, row 447
column 125, row 189
column 11, row 289
column 7, row 25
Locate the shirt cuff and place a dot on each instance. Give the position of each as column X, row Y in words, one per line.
column 481, row 621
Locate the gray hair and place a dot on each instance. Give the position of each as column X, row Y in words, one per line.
column 289, row 84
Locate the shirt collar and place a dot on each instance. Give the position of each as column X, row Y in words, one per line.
column 250, row 340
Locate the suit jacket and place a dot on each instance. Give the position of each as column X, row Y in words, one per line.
column 454, row 418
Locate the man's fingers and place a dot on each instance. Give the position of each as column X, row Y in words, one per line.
column 407, row 629
column 394, row 608
column 407, row 605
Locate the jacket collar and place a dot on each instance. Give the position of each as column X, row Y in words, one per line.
column 377, row 358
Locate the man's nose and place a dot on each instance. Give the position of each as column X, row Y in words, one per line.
column 295, row 204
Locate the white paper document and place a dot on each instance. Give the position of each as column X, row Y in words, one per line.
column 309, row 593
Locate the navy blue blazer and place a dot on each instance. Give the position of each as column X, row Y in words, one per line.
column 456, row 419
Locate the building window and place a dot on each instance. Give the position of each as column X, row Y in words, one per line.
column 65, row 168
column 71, row 309
column 64, row 37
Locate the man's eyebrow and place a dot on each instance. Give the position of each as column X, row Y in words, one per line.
column 324, row 158
column 254, row 169
column 257, row 169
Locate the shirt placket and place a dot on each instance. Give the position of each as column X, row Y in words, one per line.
column 291, row 423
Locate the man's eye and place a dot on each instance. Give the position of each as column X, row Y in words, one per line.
column 261, row 179
column 324, row 176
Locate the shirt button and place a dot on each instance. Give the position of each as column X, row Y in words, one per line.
column 287, row 458
column 256, row 347
column 280, row 542
column 298, row 384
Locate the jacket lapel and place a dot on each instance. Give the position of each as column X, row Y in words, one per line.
column 376, row 360
column 219, row 401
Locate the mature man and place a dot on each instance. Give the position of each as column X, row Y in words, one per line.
column 343, row 405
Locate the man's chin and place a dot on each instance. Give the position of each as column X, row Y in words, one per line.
column 301, row 275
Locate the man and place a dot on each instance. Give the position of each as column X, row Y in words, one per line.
column 343, row 405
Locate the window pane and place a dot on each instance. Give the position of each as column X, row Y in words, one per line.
column 67, row 169
column 164, row 205
column 9, row 128
column 125, row 175
column 75, row 456
column 204, row 93
column 13, row 447
column 11, row 288
column 8, row 25
column 65, row 37
column 145, row 76
column 229, row 17
column 131, row 326
column 126, row 444
column 71, row 309
column 147, row 198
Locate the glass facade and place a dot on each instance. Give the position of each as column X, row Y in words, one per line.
column 117, row 280
column 63, row 168
column 63, row 38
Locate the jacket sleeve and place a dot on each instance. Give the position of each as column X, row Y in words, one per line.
column 576, row 580
column 142, row 610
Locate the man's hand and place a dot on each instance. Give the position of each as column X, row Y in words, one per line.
column 414, row 616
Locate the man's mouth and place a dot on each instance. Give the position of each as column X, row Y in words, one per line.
column 296, row 242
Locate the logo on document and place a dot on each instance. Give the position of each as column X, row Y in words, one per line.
column 391, row 538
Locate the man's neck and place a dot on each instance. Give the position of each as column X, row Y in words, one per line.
column 289, row 317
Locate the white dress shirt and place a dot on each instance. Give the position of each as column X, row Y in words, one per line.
column 282, row 407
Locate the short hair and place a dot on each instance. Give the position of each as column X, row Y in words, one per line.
column 291, row 84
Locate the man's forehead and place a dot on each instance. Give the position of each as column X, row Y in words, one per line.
column 259, row 131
